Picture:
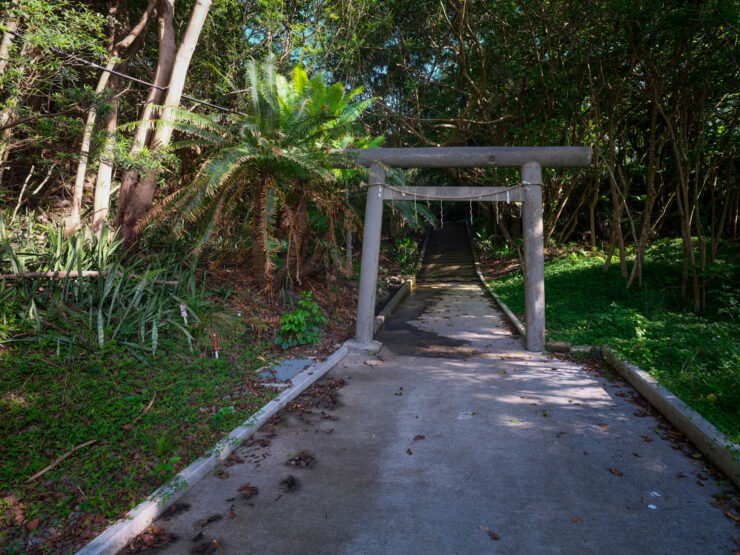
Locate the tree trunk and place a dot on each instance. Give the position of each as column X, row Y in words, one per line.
column 650, row 198
column 140, row 196
column 126, row 49
column 11, row 24
column 261, row 262
column 72, row 222
column 143, row 134
column 105, row 171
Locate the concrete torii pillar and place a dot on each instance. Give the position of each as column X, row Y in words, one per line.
column 530, row 160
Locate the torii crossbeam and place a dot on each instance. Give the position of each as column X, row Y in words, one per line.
column 530, row 160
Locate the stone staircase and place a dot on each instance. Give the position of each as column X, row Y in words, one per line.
column 448, row 256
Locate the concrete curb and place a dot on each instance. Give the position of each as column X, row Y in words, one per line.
column 401, row 294
column 118, row 535
column 723, row 453
column 391, row 305
column 507, row 312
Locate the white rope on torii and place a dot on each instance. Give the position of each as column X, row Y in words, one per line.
column 530, row 161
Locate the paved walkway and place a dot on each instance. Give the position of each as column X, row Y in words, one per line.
column 520, row 454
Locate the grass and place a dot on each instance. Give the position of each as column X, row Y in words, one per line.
column 50, row 405
column 695, row 356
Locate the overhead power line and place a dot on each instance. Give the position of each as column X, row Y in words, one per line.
column 128, row 77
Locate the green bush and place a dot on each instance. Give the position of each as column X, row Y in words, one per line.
column 303, row 325
column 407, row 254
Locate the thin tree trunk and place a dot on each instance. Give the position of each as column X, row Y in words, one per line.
column 261, row 262
column 685, row 212
column 651, row 196
column 72, row 222
column 592, row 210
column 616, row 234
column 140, row 197
column 126, row 49
column 105, row 171
column 11, row 25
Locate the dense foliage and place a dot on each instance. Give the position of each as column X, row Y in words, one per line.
column 652, row 86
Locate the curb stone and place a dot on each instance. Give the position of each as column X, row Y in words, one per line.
column 723, row 453
column 507, row 312
column 401, row 294
column 138, row 519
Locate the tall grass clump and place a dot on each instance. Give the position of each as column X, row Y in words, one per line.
column 81, row 292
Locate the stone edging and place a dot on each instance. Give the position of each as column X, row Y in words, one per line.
column 405, row 289
column 138, row 519
column 724, row 454
column 507, row 312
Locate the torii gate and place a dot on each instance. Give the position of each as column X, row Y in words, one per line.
column 531, row 160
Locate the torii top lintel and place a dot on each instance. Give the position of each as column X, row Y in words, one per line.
column 474, row 156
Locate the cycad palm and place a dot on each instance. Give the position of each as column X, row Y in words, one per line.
column 279, row 146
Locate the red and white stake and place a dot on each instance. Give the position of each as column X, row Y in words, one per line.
column 215, row 346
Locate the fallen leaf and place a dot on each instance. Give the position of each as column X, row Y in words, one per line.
column 290, row 483
column 32, row 524
column 493, row 535
column 248, row 491
column 615, row 472
column 417, row 438
column 148, row 539
column 575, row 519
column 728, row 514
column 409, row 451
column 603, row 425
column 209, row 520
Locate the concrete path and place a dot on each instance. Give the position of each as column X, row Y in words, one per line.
column 512, row 455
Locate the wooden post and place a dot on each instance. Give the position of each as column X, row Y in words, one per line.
column 370, row 256
column 534, row 257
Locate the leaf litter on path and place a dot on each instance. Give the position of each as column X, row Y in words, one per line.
column 151, row 538
column 491, row 534
column 301, row 460
column 248, row 491
column 416, row 438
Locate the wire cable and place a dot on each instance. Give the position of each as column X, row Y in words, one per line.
column 125, row 76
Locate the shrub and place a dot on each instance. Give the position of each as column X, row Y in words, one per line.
column 302, row 326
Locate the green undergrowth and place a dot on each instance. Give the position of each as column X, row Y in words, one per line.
column 51, row 404
column 121, row 357
column 695, row 356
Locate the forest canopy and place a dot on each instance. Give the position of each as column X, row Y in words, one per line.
column 651, row 86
